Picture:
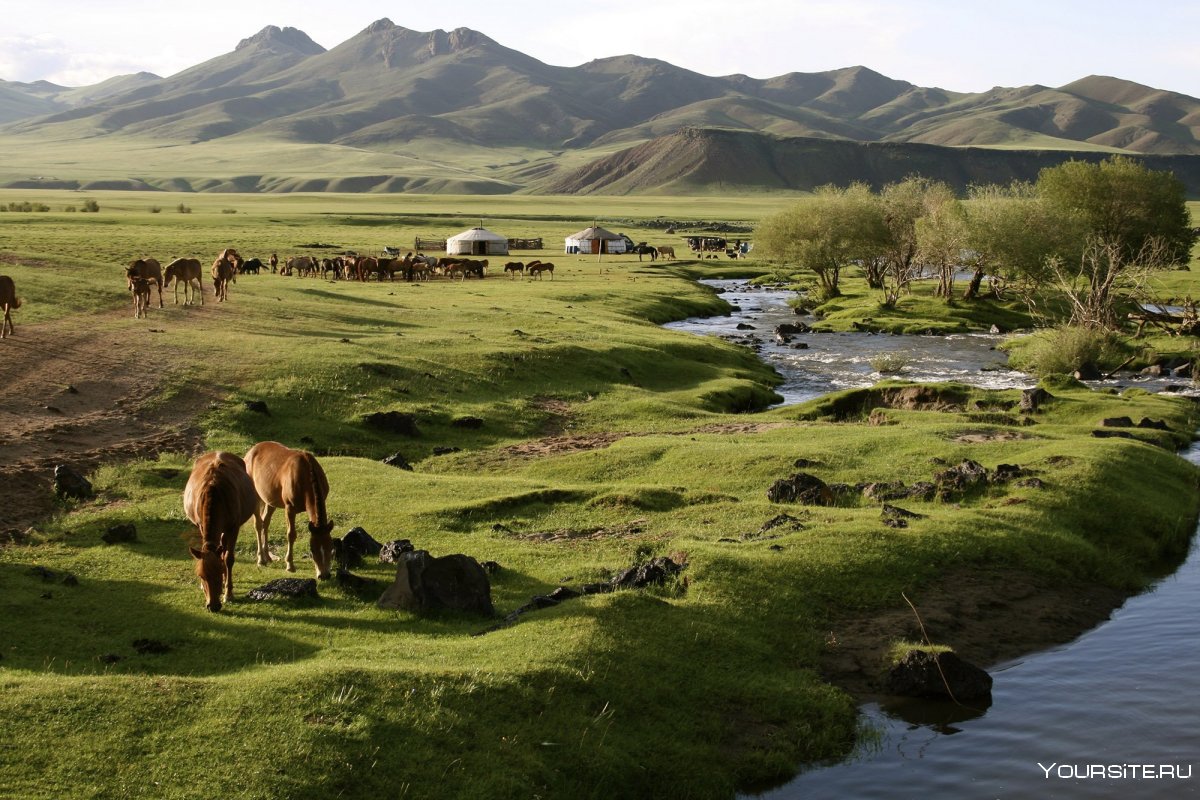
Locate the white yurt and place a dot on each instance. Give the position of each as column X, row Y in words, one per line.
column 595, row 240
column 477, row 242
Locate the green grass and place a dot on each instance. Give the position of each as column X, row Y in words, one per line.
column 692, row 690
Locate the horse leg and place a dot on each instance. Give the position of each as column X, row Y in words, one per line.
column 160, row 299
column 228, row 561
column 6, row 324
column 291, row 538
column 262, row 521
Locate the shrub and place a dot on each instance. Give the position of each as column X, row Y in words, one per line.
column 890, row 363
column 91, row 205
column 228, row 210
column 1069, row 348
column 182, row 209
column 69, row 209
column 155, row 209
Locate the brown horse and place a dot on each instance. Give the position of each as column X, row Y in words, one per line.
column 8, row 301
column 218, row 499
column 186, row 270
column 666, row 252
column 294, row 481
column 514, row 267
column 224, row 272
column 150, row 269
column 141, row 294
column 536, row 270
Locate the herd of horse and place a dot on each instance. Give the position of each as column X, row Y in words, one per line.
column 224, row 491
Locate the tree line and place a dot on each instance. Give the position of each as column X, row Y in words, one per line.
column 1093, row 231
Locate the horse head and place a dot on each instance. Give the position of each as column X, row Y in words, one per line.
column 321, row 541
column 210, row 569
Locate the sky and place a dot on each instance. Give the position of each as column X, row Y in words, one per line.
column 951, row 44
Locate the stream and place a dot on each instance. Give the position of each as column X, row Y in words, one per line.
column 1115, row 713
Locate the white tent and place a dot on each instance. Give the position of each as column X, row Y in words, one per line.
column 595, row 240
column 477, row 242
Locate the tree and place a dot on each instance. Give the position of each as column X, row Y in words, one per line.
column 941, row 236
column 901, row 205
column 834, row 229
column 1011, row 232
column 1127, row 220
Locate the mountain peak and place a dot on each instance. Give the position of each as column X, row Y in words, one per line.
column 291, row 38
column 380, row 25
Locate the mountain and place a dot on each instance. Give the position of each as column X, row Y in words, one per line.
column 392, row 107
column 700, row 160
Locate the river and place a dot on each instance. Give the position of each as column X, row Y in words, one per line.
column 1115, row 713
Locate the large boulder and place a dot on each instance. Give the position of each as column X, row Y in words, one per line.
column 1032, row 399
column 424, row 583
column 69, row 483
column 801, row 488
column 960, row 478
column 653, row 572
column 393, row 422
column 923, row 674
column 390, row 553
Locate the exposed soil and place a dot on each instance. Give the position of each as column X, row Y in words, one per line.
column 73, row 393
column 986, row 617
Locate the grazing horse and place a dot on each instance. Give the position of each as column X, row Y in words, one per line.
column 667, row 252
column 514, row 267
column 150, row 269
column 8, row 301
column 253, row 265
column 223, row 274
column 536, row 270
column 186, row 270
column 645, row 249
column 218, row 499
column 300, row 265
column 294, row 481
column 274, row 262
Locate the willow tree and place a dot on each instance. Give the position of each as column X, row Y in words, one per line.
column 1130, row 221
column 942, row 236
column 1011, row 234
column 836, row 228
column 901, row 204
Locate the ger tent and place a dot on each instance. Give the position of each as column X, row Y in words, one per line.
column 477, row 242
column 595, row 240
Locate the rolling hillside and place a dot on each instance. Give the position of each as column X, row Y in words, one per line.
column 393, row 109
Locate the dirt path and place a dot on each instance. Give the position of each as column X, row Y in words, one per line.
column 77, row 392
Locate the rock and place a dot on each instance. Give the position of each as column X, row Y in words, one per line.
column 398, row 460
column 257, row 406
column 1007, row 472
column 1116, row 422
column 963, row 477
column 653, row 572
column 780, row 520
column 1032, row 399
column 1031, row 483
column 424, row 583
column 918, row 675
column 390, row 553
column 1114, row 435
column 745, row 326
column 596, row 588
column 922, row 490
column 393, row 422
column 125, row 532
column 791, row 328
column 1153, row 424
column 69, row 483
column 1182, row 371
column 564, row 593
column 285, row 587
column 442, row 451
column 490, row 567
column 1154, row 370
column 892, row 490
column 150, row 647
column 800, row 488
column 1088, row 372
column 799, row 345
column 361, row 542
column 781, row 339
column 469, row 423
column 802, row 463
column 900, row 513
column 995, row 329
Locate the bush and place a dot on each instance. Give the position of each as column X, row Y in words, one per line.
column 1069, row 348
column 69, row 209
column 228, row 210
column 91, row 205
column 890, row 363
column 155, row 209
column 182, row 209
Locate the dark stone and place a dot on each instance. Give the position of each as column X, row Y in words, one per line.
column 398, row 460
column 1088, row 372
column 424, row 583
column 470, row 423
column 801, row 463
column 1174, row 388
column 125, row 532
column 892, row 490
column 897, row 512
column 800, row 488
column 995, row 329
column 1032, row 399
column 361, row 542
column 1114, row 435
column 1007, row 472
column 1117, row 422
column 745, row 326
column 564, row 593
column 1153, row 424
column 285, row 587
column 150, row 647
column 653, row 572
column 918, row 675
column 390, row 552
column 442, row 451
column 1031, row 483
column 257, row 406
column 799, row 345
column 596, row 588
column 779, row 520
column 393, row 422
column 963, row 477
column 1154, row 371
column 922, row 490
column 791, row 328
column 776, row 547
column 895, row 522
column 781, row 339
column 1182, row 371
column 490, row 567
column 69, row 483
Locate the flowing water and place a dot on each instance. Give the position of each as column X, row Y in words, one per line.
column 1116, row 713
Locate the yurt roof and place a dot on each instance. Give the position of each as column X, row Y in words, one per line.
column 477, row 235
column 593, row 232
